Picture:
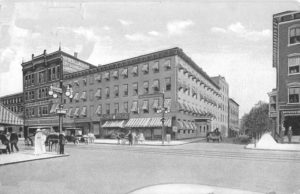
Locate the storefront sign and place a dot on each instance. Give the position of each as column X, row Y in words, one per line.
column 291, row 112
column 119, row 116
column 46, row 102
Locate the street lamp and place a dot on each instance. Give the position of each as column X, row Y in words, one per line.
column 55, row 91
column 162, row 110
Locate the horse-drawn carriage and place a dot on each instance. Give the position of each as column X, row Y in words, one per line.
column 214, row 136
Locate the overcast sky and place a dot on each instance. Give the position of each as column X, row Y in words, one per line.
column 230, row 38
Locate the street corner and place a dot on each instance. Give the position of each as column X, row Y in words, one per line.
column 188, row 189
column 27, row 156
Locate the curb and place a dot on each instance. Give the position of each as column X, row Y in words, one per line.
column 151, row 144
column 30, row 160
column 278, row 150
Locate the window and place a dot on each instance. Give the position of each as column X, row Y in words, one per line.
column 155, row 67
column 135, row 71
column 98, row 77
column 125, row 106
column 106, row 76
column 145, row 106
column 58, row 72
column 155, row 85
column 135, row 89
column 115, row 75
column 107, row 109
column 145, row 68
column 49, row 75
column 294, row 65
column 116, row 91
column 98, row 93
column 92, row 79
column 84, row 81
column 125, row 73
column 53, row 73
column 42, row 77
column 32, row 79
column 107, row 92
column 294, row 35
column 91, row 94
column 99, row 110
column 134, row 107
column 294, row 94
column 168, row 83
column 116, row 108
column 167, row 64
column 146, row 87
column 125, row 89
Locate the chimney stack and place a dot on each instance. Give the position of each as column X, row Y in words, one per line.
column 45, row 52
column 32, row 56
column 75, row 54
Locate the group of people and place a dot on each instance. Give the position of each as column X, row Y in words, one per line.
column 133, row 137
column 10, row 140
column 289, row 133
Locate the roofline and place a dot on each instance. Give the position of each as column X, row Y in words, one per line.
column 53, row 53
column 284, row 13
column 234, row 101
column 8, row 95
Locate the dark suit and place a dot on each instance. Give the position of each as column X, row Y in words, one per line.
column 62, row 142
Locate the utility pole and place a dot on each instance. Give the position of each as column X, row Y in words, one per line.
column 163, row 118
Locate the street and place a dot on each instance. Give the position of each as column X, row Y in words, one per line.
column 120, row 169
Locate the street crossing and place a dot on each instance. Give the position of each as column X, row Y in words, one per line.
column 254, row 155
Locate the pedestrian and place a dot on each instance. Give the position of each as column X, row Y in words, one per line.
column 282, row 133
column 118, row 137
column 130, row 137
column 141, row 138
column 133, row 137
column 290, row 134
column 14, row 141
column 62, row 142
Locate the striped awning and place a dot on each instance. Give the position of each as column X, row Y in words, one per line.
column 138, row 122
column 114, row 124
column 54, row 107
column 83, row 96
column 156, row 122
column 76, row 96
column 69, row 113
column 7, row 117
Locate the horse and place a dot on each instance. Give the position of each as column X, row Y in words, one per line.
column 52, row 139
column 5, row 142
column 214, row 136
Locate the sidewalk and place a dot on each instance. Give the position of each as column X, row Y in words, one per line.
column 152, row 143
column 26, row 156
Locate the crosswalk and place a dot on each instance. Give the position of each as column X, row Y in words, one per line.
column 204, row 153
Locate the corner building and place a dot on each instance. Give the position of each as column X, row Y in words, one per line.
column 124, row 95
column 128, row 94
column 284, row 100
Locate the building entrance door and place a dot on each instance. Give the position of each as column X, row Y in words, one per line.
column 294, row 122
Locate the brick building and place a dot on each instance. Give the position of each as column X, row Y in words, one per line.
column 123, row 95
column 285, row 98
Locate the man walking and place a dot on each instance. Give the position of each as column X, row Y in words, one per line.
column 290, row 134
column 14, row 141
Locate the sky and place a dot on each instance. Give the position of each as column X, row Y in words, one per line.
column 231, row 38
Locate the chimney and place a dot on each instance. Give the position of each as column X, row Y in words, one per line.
column 45, row 52
column 32, row 56
column 75, row 54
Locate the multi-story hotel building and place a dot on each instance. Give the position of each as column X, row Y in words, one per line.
column 127, row 94
column 223, row 103
column 233, row 117
column 285, row 98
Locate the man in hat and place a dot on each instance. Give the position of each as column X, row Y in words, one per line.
column 62, row 142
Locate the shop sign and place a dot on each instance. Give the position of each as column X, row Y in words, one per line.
column 117, row 116
column 291, row 112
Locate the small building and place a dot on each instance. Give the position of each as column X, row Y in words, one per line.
column 233, row 118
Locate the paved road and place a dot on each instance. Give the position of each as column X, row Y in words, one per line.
column 119, row 169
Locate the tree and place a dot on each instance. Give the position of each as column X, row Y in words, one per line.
column 257, row 121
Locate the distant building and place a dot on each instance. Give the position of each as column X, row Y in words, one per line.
column 14, row 102
column 223, row 103
column 233, row 117
column 284, row 103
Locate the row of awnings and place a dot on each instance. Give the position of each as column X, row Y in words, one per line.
column 7, row 117
column 77, row 112
column 138, row 123
column 197, row 79
column 194, row 110
column 186, row 125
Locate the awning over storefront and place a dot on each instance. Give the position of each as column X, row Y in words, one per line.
column 76, row 96
column 186, row 125
column 156, row 122
column 114, row 124
column 138, row 122
column 83, row 96
column 7, row 117
column 54, row 107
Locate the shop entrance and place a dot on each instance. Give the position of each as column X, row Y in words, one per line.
column 294, row 122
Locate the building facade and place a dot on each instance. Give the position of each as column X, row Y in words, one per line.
column 223, row 103
column 284, row 103
column 233, row 118
column 129, row 94
column 39, row 74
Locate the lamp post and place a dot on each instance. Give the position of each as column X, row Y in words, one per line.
column 162, row 109
column 55, row 91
